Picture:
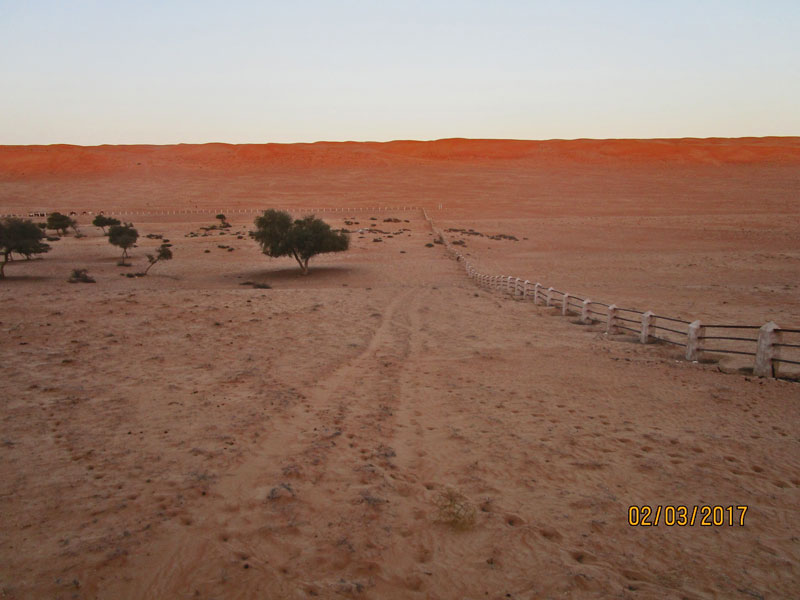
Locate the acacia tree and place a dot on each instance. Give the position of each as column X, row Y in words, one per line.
column 123, row 236
column 60, row 222
column 103, row 221
column 164, row 253
column 20, row 236
column 303, row 238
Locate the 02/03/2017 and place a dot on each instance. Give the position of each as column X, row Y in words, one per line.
column 686, row 516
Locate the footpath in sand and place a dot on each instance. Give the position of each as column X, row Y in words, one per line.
column 184, row 436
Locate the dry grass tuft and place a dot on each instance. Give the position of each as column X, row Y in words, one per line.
column 455, row 509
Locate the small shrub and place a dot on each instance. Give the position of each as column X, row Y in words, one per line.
column 80, row 276
column 455, row 509
column 123, row 236
column 262, row 286
column 21, row 236
column 60, row 222
column 164, row 253
column 429, row 245
column 103, row 221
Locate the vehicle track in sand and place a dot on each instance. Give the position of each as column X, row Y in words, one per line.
column 333, row 448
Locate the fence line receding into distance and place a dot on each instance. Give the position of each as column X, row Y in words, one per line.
column 767, row 344
column 225, row 211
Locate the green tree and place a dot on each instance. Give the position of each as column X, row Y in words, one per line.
column 303, row 238
column 103, row 221
column 164, row 253
column 123, row 236
column 20, row 236
column 60, row 222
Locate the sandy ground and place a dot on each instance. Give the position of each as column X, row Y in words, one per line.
column 186, row 436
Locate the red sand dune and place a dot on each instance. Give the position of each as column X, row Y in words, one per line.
column 68, row 160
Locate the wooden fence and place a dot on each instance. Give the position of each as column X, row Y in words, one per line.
column 775, row 350
column 203, row 211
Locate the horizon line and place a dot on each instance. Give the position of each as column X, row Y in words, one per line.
column 422, row 141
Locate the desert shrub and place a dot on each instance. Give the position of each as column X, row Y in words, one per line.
column 123, row 236
column 80, row 276
column 429, row 245
column 262, row 286
column 103, row 221
column 60, row 222
column 303, row 238
column 164, row 253
column 455, row 510
column 22, row 236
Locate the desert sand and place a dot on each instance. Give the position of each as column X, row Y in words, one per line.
column 187, row 435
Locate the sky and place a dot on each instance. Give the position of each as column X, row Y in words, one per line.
column 118, row 72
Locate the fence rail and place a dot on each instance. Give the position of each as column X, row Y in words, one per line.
column 202, row 211
column 766, row 349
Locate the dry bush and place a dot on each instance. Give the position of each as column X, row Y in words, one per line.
column 455, row 509
column 80, row 276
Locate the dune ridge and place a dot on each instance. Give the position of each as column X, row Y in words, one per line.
column 69, row 160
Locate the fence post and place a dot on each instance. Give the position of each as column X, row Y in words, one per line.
column 510, row 285
column 696, row 332
column 549, row 300
column 565, row 304
column 647, row 327
column 765, row 351
column 525, row 288
column 611, row 325
column 585, row 318
column 517, row 288
column 536, row 292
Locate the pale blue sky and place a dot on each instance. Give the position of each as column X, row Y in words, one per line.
column 93, row 72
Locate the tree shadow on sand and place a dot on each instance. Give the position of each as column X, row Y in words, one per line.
column 326, row 275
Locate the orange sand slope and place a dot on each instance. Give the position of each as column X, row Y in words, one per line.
column 67, row 160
